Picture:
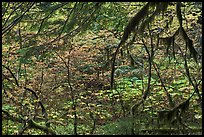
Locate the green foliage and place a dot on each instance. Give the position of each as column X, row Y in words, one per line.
column 64, row 130
column 119, row 127
column 64, row 52
column 8, row 108
column 10, row 127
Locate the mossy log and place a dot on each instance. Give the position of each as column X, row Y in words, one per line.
column 31, row 123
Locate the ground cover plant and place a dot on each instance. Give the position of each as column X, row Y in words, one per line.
column 101, row 68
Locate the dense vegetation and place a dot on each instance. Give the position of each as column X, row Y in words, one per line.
column 101, row 68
